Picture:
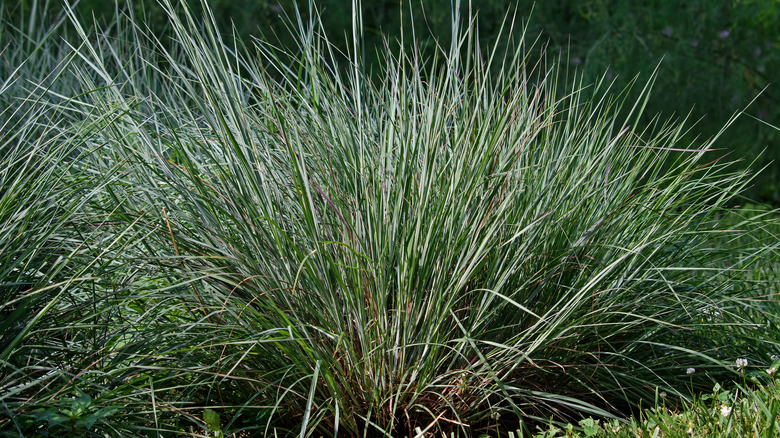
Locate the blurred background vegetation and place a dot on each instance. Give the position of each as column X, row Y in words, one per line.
column 715, row 56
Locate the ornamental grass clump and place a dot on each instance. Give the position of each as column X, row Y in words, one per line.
column 40, row 194
column 455, row 247
column 52, row 261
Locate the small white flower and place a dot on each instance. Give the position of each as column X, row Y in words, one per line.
column 690, row 371
column 772, row 371
column 742, row 363
column 690, row 430
column 725, row 410
column 663, row 395
column 616, row 428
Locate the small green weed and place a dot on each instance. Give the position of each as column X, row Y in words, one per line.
column 77, row 419
column 743, row 411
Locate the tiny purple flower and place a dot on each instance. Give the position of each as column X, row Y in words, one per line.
column 668, row 31
column 576, row 60
column 724, row 34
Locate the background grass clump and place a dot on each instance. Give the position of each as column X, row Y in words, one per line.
column 208, row 236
